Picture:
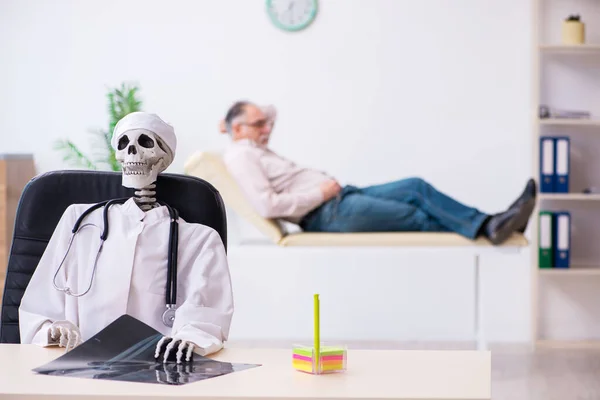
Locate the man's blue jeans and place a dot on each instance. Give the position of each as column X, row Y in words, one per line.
column 406, row 205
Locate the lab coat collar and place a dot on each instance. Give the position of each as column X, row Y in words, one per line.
column 131, row 209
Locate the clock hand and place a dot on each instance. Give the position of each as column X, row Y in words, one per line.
column 290, row 9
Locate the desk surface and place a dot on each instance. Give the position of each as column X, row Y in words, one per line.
column 371, row 374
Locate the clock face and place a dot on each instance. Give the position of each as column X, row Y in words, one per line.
column 292, row 15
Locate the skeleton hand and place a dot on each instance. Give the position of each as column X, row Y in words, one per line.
column 64, row 334
column 169, row 345
column 174, row 374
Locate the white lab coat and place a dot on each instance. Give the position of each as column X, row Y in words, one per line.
column 131, row 278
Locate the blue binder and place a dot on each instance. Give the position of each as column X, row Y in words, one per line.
column 562, row 239
column 562, row 164
column 547, row 164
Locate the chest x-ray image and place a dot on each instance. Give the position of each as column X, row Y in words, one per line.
column 124, row 351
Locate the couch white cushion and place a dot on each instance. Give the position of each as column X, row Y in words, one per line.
column 408, row 239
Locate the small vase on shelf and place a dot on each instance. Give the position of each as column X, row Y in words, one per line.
column 573, row 31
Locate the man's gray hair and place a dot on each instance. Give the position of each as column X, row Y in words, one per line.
column 235, row 113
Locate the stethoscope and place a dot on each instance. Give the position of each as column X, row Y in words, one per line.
column 168, row 316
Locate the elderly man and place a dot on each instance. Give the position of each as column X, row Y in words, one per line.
column 280, row 189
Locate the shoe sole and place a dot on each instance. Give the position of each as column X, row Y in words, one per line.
column 512, row 225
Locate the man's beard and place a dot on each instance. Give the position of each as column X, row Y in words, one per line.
column 262, row 141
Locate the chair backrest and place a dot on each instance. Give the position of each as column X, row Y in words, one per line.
column 210, row 167
column 47, row 196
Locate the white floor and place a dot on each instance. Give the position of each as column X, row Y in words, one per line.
column 550, row 372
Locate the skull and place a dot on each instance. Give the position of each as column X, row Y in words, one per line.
column 142, row 156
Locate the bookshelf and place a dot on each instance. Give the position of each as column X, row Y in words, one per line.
column 567, row 77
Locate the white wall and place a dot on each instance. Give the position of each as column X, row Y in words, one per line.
column 373, row 91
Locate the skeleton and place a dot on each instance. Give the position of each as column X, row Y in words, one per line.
column 143, row 154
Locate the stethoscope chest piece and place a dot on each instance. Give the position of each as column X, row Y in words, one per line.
column 169, row 316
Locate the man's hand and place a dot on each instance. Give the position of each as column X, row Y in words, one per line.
column 64, row 334
column 330, row 189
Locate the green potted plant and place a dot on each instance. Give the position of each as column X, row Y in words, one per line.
column 121, row 101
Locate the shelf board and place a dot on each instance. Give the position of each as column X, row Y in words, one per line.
column 579, row 49
column 569, row 122
column 564, row 344
column 573, row 271
column 570, row 196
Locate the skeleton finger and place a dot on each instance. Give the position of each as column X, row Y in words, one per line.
column 180, row 350
column 59, row 339
column 163, row 341
column 169, row 348
column 70, row 336
column 74, row 339
column 56, row 334
column 67, row 346
column 190, row 351
column 63, row 337
column 70, row 340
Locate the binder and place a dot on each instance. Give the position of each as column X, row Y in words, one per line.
column 562, row 167
column 545, row 233
column 547, row 164
column 562, row 239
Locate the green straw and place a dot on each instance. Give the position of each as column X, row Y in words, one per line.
column 317, row 333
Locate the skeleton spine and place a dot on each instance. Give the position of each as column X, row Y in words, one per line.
column 145, row 197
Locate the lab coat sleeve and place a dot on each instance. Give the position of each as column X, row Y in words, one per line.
column 204, row 318
column 248, row 172
column 42, row 304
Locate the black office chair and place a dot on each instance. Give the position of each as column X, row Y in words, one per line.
column 46, row 197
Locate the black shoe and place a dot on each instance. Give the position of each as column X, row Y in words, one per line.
column 501, row 226
column 529, row 193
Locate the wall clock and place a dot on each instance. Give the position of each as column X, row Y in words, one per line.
column 292, row 15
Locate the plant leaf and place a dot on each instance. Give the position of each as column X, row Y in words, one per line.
column 73, row 155
column 121, row 101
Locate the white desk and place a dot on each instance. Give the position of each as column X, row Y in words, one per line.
column 431, row 375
